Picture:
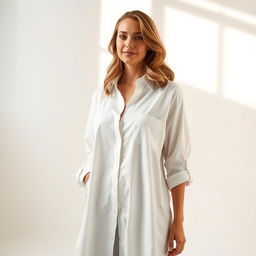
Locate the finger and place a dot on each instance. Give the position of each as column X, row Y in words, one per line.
column 170, row 242
column 169, row 247
column 178, row 246
column 178, row 249
column 172, row 251
column 182, row 247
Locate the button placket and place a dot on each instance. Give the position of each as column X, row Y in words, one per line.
column 115, row 183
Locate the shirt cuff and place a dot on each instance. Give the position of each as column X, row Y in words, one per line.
column 179, row 178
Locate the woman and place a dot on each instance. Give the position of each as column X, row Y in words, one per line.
column 137, row 144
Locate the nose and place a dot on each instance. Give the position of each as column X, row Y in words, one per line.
column 128, row 42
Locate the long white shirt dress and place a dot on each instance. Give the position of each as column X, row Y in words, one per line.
column 133, row 162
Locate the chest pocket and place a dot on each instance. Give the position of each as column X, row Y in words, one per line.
column 144, row 130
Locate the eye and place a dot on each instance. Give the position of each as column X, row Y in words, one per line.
column 136, row 37
column 121, row 36
column 140, row 37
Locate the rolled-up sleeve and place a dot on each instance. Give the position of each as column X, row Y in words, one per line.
column 177, row 144
column 88, row 143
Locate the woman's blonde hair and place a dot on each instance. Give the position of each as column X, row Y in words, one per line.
column 155, row 67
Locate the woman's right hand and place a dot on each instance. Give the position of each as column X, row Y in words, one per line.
column 86, row 177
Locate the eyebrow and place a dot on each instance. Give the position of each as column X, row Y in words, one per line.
column 136, row 33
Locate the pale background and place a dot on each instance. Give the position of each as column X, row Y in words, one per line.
column 53, row 54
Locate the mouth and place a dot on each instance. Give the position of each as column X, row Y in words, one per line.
column 128, row 53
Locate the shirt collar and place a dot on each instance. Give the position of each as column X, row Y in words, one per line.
column 141, row 81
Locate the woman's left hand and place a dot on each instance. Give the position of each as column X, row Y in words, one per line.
column 176, row 233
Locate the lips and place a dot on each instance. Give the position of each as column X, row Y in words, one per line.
column 128, row 53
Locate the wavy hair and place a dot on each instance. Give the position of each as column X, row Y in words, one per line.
column 155, row 68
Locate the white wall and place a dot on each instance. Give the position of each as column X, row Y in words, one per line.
column 53, row 54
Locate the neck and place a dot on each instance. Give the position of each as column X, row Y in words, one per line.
column 131, row 73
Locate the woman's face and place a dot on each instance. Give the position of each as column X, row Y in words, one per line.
column 131, row 48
